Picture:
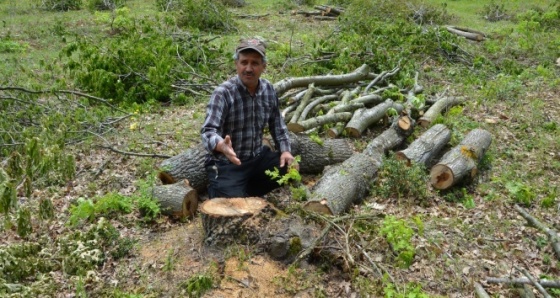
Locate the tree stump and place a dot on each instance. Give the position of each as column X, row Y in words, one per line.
column 177, row 200
column 234, row 220
column 428, row 145
column 462, row 160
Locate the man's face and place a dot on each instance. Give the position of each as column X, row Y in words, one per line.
column 249, row 67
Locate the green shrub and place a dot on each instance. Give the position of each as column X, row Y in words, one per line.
column 520, row 193
column 397, row 179
column 211, row 16
column 105, row 4
column 197, row 285
column 399, row 235
column 61, row 5
column 108, row 205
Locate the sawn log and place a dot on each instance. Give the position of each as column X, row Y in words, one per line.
column 177, row 200
column 462, row 160
column 347, row 183
column 437, row 108
column 314, row 158
column 426, row 147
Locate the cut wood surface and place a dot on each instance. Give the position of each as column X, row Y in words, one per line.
column 437, row 108
column 178, row 199
column 347, row 183
column 225, row 220
column 426, row 147
column 462, row 160
column 314, row 158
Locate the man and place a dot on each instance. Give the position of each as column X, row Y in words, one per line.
column 232, row 133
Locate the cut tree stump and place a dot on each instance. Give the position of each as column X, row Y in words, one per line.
column 347, row 183
column 314, row 158
column 177, row 200
column 234, row 220
column 462, row 160
column 436, row 109
column 428, row 145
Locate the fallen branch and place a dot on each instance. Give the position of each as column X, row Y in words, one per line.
column 467, row 33
column 546, row 283
column 552, row 235
column 436, row 109
column 534, row 282
column 134, row 153
column 480, row 292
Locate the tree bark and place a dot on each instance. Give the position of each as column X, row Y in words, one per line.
column 303, row 103
column 546, row 283
column 330, row 80
column 178, row 199
column 314, row 158
column 348, row 182
column 462, row 160
column 363, row 118
column 234, row 220
column 436, row 109
column 187, row 165
column 428, row 145
column 318, row 121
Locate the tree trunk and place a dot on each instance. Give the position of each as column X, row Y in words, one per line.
column 178, row 200
column 462, row 160
column 436, row 109
column 187, row 165
column 428, row 145
column 314, row 158
column 363, row 118
column 348, row 182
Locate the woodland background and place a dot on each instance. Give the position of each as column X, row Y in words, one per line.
column 94, row 94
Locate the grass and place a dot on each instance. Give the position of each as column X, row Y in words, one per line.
column 468, row 234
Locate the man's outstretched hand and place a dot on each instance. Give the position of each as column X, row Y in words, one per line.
column 227, row 149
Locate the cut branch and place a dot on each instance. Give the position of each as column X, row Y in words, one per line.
column 364, row 118
column 318, row 121
column 480, row 292
column 329, row 80
column 437, row 108
column 524, row 281
column 552, row 235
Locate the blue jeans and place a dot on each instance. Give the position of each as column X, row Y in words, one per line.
column 227, row 180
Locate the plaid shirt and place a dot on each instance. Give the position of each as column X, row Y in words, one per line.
column 233, row 111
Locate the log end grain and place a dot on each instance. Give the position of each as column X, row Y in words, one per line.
column 441, row 176
column 165, row 178
column 353, row 132
column 231, row 207
column 319, row 206
column 401, row 156
column 295, row 127
column 405, row 123
column 424, row 122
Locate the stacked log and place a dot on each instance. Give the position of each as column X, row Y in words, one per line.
column 347, row 183
column 462, row 160
column 176, row 200
column 426, row 147
column 315, row 157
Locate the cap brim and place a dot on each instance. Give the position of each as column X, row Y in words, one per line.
column 251, row 48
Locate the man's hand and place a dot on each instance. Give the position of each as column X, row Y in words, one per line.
column 227, row 149
column 287, row 159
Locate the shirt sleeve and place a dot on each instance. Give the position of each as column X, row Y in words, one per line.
column 211, row 128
